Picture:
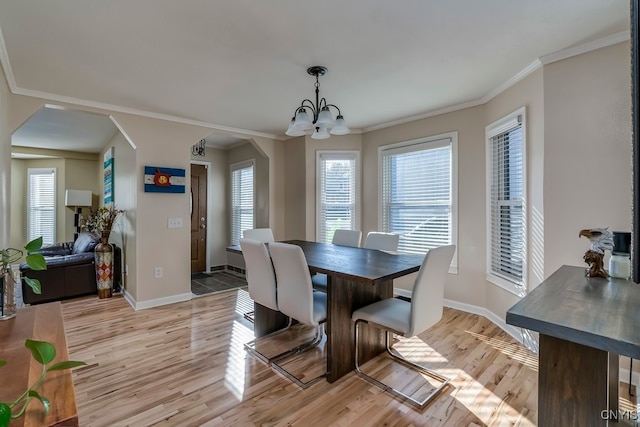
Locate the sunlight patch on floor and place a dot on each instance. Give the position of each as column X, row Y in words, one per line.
column 513, row 350
column 235, row 369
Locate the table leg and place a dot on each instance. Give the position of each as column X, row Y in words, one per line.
column 345, row 296
column 266, row 320
column 572, row 384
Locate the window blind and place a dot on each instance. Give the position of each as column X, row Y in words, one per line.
column 506, row 222
column 242, row 200
column 336, row 194
column 41, row 205
column 417, row 195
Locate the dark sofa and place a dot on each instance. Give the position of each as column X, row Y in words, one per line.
column 70, row 270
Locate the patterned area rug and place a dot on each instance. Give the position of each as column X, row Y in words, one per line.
column 218, row 281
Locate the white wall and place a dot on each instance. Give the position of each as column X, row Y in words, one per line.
column 587, row 154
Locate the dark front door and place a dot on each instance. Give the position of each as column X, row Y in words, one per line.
column 198, row 218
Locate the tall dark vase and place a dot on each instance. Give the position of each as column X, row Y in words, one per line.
column 104, row 267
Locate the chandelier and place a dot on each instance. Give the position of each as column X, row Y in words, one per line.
column 198, row 148
column 321, row 121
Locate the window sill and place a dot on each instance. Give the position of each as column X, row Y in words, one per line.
column 512, row 288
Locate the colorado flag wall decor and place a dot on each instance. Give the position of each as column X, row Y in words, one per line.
column 163, row 180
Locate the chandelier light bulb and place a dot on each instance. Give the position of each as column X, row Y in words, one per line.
column 340, row 127
column 320, row 133
column 324, row 118
column 291, row 131
column 302, row 121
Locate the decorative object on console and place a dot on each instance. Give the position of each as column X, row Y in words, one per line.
column 198, row 148
column 100, row 223
column 321, row 122
column 164, row 180
column 78, row 199
column 620, row 262
column 601, row 240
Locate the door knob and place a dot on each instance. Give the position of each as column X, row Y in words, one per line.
column 203, row 226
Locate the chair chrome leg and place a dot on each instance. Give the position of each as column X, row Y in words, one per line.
column 419, row 403
column 250, row 346
column 317, row 339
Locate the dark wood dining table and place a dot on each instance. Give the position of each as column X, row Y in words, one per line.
column 356, row 277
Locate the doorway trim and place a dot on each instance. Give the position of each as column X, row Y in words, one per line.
column 209, row 235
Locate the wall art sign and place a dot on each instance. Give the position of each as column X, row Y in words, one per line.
column 108, row 177
column 164, row 180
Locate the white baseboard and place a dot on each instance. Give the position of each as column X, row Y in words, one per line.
column 141, row 305
column 474, row 309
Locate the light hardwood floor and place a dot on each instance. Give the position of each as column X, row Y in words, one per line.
column 184, row 365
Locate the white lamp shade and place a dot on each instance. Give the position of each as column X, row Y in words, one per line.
column 320, row 133
column 291, row 131
column 77, row 198
column 302, row 121
column 340, row 127
column 324, row 118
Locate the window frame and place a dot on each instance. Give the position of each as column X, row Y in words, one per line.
column 498, row 127
column 420, row 144
column 337, row 155
column 232, row 168
column 42, row 171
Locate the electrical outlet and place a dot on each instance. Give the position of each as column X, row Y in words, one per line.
column 174, row 223
column 157, row 272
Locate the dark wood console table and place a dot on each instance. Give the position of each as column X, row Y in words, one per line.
column 43, row 323
column 584, row 324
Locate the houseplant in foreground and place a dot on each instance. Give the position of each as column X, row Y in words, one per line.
column 44, row 353
column 7, row 287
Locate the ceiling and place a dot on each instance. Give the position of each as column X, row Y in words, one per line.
column 239, row 67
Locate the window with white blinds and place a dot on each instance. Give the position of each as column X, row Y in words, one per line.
column 242, row 199
column 337, row 193
column 506, row 251
column 419, row 194
column 41, row 204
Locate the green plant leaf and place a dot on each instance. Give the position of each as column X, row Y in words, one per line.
column 3, row 362
column 5, row 415
column 44, row 400
column 34, row 245
column 36, row 262
column 42, row 351
column 34, row 284
column 68, row 364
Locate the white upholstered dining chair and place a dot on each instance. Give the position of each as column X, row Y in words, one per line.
column 261, row 282
column 381, row 241
column 297, row 299
column 342, row 238
column 410, row 318
column 264, row 235
column 347, row 238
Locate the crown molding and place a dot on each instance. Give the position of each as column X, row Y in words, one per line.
column 6, row 65
column 143, row 113
column 513, row 80
column 13, row 87
column 585, row 47
column 428, row 114
column 536, row 64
